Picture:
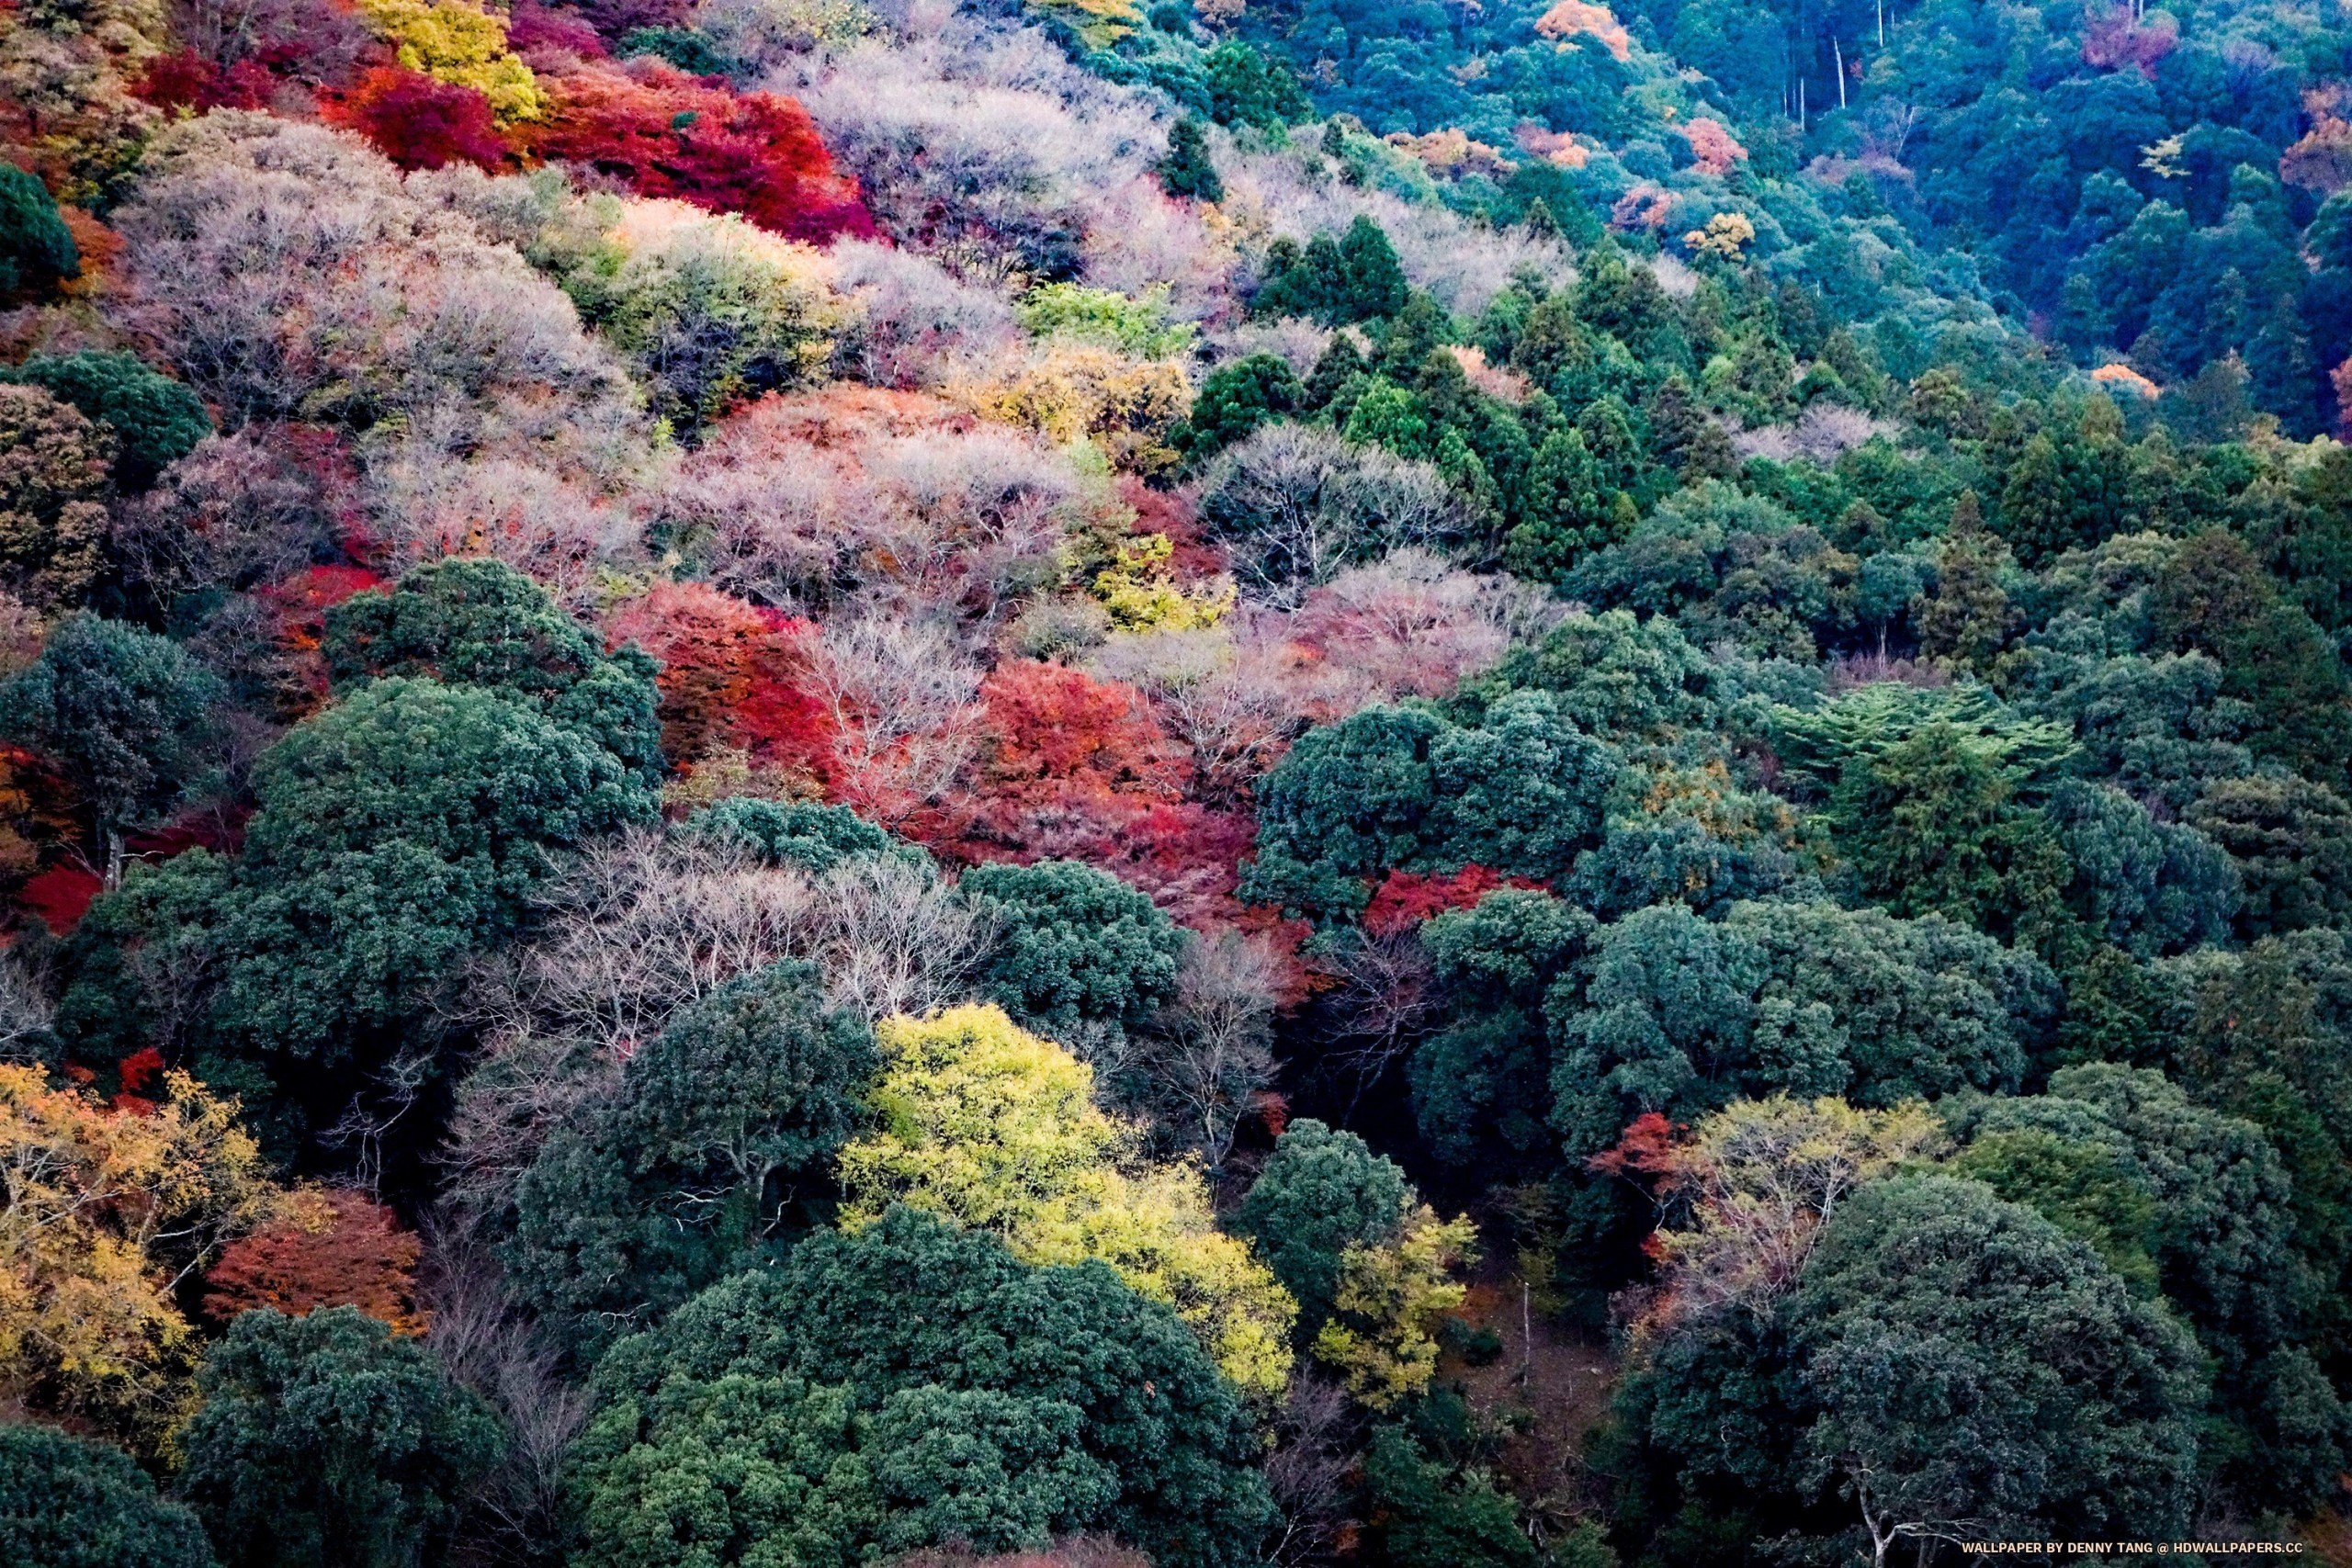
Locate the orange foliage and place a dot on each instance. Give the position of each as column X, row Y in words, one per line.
column 335, row 1248
column 1713, row 146
column 731, row 676
column 1077, row 768
column 1647, row 205
column 1650, row 1150
column 669, row 134
column 1572, row 19
column 1551, row 146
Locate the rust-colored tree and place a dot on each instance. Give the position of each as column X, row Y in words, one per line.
column 733, row 679
column 331, row 1248
column 669, row 134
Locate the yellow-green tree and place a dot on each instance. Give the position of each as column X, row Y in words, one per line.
column 989, row 1126
column 1382, row 1336
column 452, row 42
column 106, row 1209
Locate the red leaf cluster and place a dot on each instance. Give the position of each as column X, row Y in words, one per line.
column 530, row 28
column 420, row 123
column 1075, row 768
column 60, row 897
column 188, row 80
column 1649, row 1150
column 669, row 134
column 1405, row 898
column 732, row 676
column 338, row 1249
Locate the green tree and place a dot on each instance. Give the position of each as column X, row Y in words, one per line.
column 1188, row 169
column 1076, row 948
column 2291, row 842
column 1481, row 1084
column 37, row 251
column 473, row 622
column 1431, row 1515
column 1236, row 398
column 1247, row 89
column 71, row 1503
column 1321, row 1192
column 805, row 833
column 156, row 421
column 975, row 1395
column 1968, row 617
column 1682, row 1015
column 1356, row 277
column 1569, row 512
column 1923, row 1322
column 325, row 1442
column 722, row 1125
column 123, row 714
column 1399, row 788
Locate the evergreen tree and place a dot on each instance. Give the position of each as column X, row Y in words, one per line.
column 1188, row 169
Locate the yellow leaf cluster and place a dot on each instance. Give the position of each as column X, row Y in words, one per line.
column 1142, row 595
column 1725, row 235
column 1382, row 1337
column 990, row 1127
column 451, row 41
column 1085, row 390
column 106, row 1211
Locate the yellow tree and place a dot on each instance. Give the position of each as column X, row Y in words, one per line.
column 106, row 1211
column 1382, row 1336
column 997, row 1129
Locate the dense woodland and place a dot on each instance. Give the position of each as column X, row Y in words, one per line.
column 1444, row 785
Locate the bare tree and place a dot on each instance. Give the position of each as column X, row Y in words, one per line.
column 1307, row 1470
column 1211, row 1056
column 900, row 694
column 1383, row 1005
column 26, row 1012
column 487, row 1344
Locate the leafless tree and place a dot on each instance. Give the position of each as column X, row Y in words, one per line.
column 1212, row 1056
column 1308, row 1470
column 900, row 694
column 1384, row 1003
column 25, row 1008
column 1298, row 505
column 486, row 1344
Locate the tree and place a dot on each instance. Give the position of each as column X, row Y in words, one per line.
column 1922, row 1322
column 156, row 421
column 54, row 466
column 1321, row 1192
column 325, row 1441
column 1078, row 951
column 1968, row 616
column 1356, row 277
column 997, row 1129
column 478, row 623
column 721, row 1125
column 1019, row 1398
column 1188, row 169
column 1519, row 791
column 39, row 250
column 108, row 1211
column 1247, row 87
column 669, row 135
column 1429, row 1515
column 1381, row 1334
column 124, row 714
column 327, row 1249
column 421, row 123
column 71, row 1503
column 1681, row 1016
column 397, row 832
column 2292, row 840
column 1568, row 512
column 1236, row 398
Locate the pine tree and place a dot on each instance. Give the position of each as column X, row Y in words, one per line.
column 1188, row 169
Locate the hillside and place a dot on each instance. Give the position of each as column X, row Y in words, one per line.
column 803, row 783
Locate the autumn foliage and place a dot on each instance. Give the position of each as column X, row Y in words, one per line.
column 669, row 134
column 331, row 1248
column 733, row 677
column 1405, row 898
column 1075, row 768
column 420, row 123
